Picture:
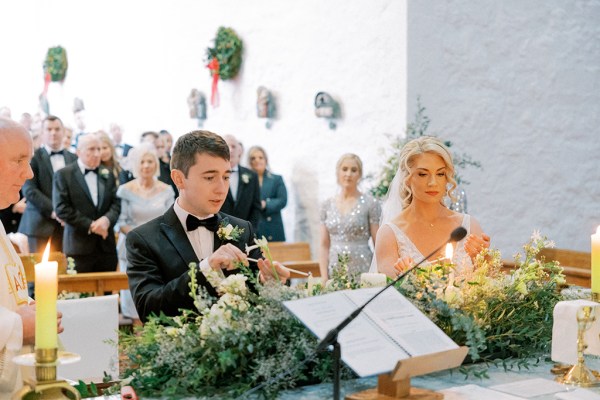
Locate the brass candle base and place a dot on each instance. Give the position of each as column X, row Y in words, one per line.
column 45, row 386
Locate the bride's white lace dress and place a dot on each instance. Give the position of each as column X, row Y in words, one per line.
column 406, row 247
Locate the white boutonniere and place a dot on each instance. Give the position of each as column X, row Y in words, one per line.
column 245, row 178
column 228, row 232
column 104, row 173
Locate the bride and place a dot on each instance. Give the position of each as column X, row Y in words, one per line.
column 414, row 218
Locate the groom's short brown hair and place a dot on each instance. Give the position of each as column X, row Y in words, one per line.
column 197, row 142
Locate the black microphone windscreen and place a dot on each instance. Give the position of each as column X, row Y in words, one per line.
column 458, row 234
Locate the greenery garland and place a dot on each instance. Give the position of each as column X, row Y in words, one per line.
column 56, row 64
column 228, row 52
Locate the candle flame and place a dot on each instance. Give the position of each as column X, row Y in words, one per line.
column 449, row 251
column 46, row 253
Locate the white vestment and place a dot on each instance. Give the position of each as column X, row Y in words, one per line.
column 13, row 293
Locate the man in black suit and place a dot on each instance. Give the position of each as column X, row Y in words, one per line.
column 116, row 134
column 39, row 222
column 243, row 198
column 160, row 251
column 85, row 198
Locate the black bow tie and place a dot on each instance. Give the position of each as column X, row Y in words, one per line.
column 54, row 153
column 192, row 223
column 95, row 170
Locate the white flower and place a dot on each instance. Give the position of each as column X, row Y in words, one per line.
column 104, row 173
column 262, row 242
column 234, row 284
column 536, row 236
column 250, row 248
column 245, row 178
column 225, row 232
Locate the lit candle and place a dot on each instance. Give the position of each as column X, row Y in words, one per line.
column 46, row 287
column 449, row 252
column 596, row 262
column 368, row 279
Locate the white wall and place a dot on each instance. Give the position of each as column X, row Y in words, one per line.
column 516, row 84
column 135, row 62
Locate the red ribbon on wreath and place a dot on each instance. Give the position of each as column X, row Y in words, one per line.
column 213, row 66
column 47, row 79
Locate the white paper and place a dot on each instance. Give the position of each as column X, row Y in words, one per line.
column 88, row 323
column 388, row 330
column 578, row 394
column 564, row 331
column 531, row 387
column 474, row 392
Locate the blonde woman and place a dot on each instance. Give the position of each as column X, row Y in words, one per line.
column 142, row 199
column 415, row 220
column 348, row 220
column 108, row 154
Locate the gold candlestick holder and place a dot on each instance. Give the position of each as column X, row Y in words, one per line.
column 596, row 297
column 45, row 386
column 579, row 374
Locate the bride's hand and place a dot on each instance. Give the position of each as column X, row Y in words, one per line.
column 474, row 244
column 403, row 264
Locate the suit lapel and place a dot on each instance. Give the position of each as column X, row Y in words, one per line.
column 178, row 238
column 101, row 189
column 81, row 181
column 217, row 240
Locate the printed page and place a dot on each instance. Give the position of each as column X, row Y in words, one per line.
column 365, row 348
column 404, row 322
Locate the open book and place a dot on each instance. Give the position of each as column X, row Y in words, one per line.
column 389, row 329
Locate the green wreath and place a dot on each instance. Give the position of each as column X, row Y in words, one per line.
column 228, row 52
column 56, row 64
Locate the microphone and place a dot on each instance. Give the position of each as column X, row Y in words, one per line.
column 456, row 235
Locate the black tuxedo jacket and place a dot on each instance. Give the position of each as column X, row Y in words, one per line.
column 73, row 204
column 158, row 255
column 247, row 204
column 36, row 219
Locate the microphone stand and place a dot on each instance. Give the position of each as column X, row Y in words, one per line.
column 331, row 337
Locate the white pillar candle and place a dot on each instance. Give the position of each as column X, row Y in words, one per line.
column 46, row 288
column 596, row 262
column 368, row 279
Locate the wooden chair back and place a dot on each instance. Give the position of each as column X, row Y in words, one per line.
column 295, row 255
column 30, row 259
column 577, row 265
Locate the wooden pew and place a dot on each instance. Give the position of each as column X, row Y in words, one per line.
column 295, row 255
column 577, row 265
column 90, row 282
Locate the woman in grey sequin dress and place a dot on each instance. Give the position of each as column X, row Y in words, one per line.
column 348, row 220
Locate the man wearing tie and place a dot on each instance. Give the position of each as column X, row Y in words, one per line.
column 39, row 222
column 160, row 251
column 85, row 198
column 243, row 199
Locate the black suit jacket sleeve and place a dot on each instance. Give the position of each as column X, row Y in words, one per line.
column 256, row 207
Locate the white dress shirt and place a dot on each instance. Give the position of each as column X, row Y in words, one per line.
column 234, row 182
column 92, row 181
column 57, row 160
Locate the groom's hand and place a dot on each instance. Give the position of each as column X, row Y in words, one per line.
column 267, row 273
column 226, row 256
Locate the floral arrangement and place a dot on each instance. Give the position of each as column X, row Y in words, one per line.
column 414, row 130
column 228, row 232
column 243, row 338
column 55, row 64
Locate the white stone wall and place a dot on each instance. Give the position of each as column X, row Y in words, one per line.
column 135, row 62
column 516, row 84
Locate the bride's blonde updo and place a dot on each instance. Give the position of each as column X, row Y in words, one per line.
column 418, row 146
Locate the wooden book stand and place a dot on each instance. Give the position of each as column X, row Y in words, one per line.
column 396, row 385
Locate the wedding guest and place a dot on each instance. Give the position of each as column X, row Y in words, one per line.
column 68, row 140
column 348, row 220
column 116, row 134
column 415, row 220
column 17, row 316
column 85, row 198
column 243, row 198
column 273, row 195
column 26, row 120
column 159, row 252
column 40, row 222
column 108, row 154
column 168, row 140
column 142, row 199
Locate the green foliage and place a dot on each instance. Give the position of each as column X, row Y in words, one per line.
column 87, row 390
column 56, row 63
column 414, row 130
column 228, row 51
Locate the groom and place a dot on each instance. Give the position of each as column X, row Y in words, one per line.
column 160, row 251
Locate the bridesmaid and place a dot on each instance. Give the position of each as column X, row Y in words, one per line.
column 142, row 199
column 273, row 195
column 348, row 220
